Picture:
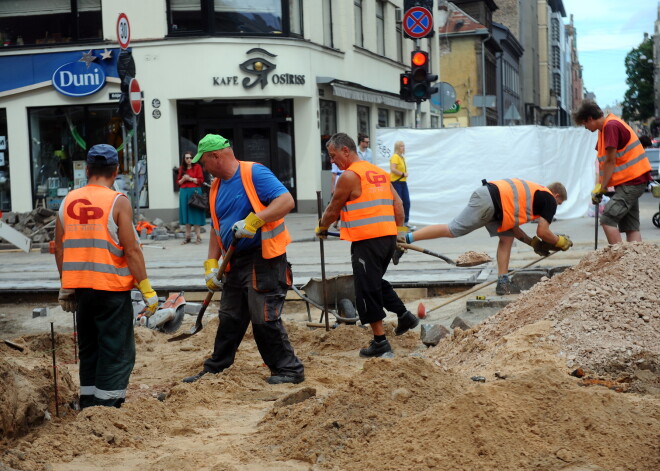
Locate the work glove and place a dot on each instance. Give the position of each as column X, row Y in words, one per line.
column 597, row 194
column 540, row 247
column 211, row 274
column 400, row 239
column 247, row 228
column 149, row 295
column 67, row 299
column 321, row 231
column 564, row 243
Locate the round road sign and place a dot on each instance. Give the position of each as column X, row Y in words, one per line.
column 123, row 31
column 417, row 22
column 135, row 96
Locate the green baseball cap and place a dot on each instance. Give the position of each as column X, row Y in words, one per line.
column 209, row 143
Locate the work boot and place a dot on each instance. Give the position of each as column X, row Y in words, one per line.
column 281, row 379
column 192, row 379
column 376, row 349
column 406, row 322
column 505, row 286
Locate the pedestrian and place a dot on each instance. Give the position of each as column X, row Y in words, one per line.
column 370, row 213
column 399, row 179
column 364, row 151
column 100, row 261
column 248, row 202
column 502, row 206
column 622, row 164
column 190, row 179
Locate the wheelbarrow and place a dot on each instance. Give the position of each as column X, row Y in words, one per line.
column 341, row 297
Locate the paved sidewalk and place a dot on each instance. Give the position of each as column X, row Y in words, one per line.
column 172, row 266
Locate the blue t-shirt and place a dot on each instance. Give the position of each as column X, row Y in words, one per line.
column 232, row 203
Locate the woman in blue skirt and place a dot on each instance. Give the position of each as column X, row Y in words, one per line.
column 190, row 179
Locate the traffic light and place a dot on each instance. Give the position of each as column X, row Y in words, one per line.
column 404, row 86
column 420, row 86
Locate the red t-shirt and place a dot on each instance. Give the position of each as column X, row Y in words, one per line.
column 194, row 172
column 616, row 135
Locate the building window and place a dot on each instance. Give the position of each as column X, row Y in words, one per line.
column 363, row 119
column 5, row 193
column 556, row 57
column 327, row 23
column 383, row 117
column 399, row 119
column 37, row 22
column 380, row 27
column 399, row 37
column 60, row 137
column 357, row 13
column 556, row 85
column 328, row 110
column 230, row 17
column 555, row 29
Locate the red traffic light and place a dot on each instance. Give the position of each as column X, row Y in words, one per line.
column 405, row 80
column 419, row 58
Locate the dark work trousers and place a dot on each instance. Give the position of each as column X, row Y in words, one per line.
column 254, row 290
column 370, row 258
column 106, row 345
column 402, row 189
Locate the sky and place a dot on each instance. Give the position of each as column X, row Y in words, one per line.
column 607, row 30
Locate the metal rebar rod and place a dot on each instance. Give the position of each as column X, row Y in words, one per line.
column 52, row 342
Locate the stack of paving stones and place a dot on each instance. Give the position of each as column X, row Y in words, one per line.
column 38, row 224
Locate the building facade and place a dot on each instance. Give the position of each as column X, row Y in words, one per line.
column 276, row 77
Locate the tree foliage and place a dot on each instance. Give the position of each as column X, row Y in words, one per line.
column 638, row 102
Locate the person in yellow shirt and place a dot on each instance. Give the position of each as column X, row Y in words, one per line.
column 399, row 177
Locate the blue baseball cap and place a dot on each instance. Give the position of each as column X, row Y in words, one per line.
column 102, row 154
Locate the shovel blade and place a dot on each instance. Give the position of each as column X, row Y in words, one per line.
column 185, row 335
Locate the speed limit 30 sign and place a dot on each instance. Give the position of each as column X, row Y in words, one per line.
column 123, row 31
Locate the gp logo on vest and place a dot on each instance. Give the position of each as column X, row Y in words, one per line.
column 375, row 178
column 86, row 212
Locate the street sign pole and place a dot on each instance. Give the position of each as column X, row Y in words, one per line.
column 136, row 177
column 418, row 108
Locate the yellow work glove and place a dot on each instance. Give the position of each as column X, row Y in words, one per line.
column 211, row 274
column 247, row 228
column 597, row 194
column 564, row 243
column 321, row 231
column 67, row 299
column 540, row 247
column 149, row 295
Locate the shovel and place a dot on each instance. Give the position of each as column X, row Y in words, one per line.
column 198, row 323
column 446, row 259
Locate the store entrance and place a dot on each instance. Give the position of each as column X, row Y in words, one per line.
column 260, row 131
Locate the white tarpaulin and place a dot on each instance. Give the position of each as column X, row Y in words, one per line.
column 446, row 165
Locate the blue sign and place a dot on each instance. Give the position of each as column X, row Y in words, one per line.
column 78, row 79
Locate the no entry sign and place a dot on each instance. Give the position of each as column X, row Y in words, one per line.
column 135, row 96
column 123, row 31
column 417, row 22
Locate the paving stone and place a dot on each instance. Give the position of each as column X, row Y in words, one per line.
column 556, row 270
column 525, row 279
column 460, row 323
column 431, row 334
column 40, row 312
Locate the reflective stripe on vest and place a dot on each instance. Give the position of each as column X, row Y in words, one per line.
column 516, row 198
column 371, row 214
column 631, row 161
column 274, row 235
column 92, row 259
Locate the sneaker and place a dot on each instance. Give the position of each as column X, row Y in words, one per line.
column 406, row 322
column 281, row 379
column 376, row 349
column 192, row 379
column 505, row 286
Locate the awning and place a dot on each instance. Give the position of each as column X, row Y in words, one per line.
column 356, row 92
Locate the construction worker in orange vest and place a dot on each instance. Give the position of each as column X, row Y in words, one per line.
column 502, row 206
column 100, row 261
column 623, row 164
column 371, row 216
column 248, row 204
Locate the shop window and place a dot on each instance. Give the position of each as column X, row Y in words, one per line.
column 38, row 22
column 328, row 128
column 256, row 17
column 363, row 119
column 399, row 119
column 383, row 117
column 60, row 137
column 5, row 193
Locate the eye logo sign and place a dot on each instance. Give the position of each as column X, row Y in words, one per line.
column 85, row 213
column 259, row 67
column 375, row 178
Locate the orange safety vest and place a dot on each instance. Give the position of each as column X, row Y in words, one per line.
column 91, row 258
column 274, row 235
column 631, row 160
column 372, row 213
column 517, row 199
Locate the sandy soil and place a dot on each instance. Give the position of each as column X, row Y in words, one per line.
column 497, row 397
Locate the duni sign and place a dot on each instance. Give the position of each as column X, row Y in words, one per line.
column 78, row 79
